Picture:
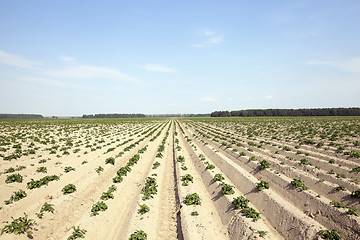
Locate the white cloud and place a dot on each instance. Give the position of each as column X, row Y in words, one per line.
column 212, row 39
column 56, row 83
column 67, row 58
column 208, row 99
column 351, row 65
column 268, row 97
column 157, row 68
column 83, row 71
column 70, row 70
column 17, row 61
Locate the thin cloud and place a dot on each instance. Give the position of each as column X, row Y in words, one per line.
column 208, row 99
column 268, row 97
column 70, row 70
column 157, row 68
column 212, row 39
column 17, row 61
column 351, row 65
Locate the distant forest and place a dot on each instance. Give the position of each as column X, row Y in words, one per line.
column 115, row 115
column 20, row 116
column 289, row 112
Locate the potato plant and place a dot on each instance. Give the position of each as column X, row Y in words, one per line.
column 20, row 225
column 77, row 233
column 70, row 188
column 192, row 199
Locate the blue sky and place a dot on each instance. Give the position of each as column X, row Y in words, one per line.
column 83, row 57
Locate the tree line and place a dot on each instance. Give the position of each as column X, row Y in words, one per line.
column 115, row 115
column 20, row 116
column 288, row 112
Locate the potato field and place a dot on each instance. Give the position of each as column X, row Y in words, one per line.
column 180, row 178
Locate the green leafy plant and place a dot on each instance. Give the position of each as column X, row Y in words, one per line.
column 99, row 206
column 77, row 233
column 16, row 197
column 138, row 235
column 149, row 189
column 251, row 213
column 353, row 211
column 195, row 213
column 192, row 199
column 14, row 178
column 262, row 185
column 340, row 188
column 42, row 169
column 47, row 207
column 41, row 182
column 338, row 204
column 186, row 179
column 99, row 169
column 332, row 235
column 218, row 177
column 227, row 189
column 70, row 188
column 156, row 165
column 264, row 164
column 262, row 233
column 240, row 202
column 305, row 162
column 110, row 160
column 298, row 183
column 68, row 169
column 181, row 159
column 355, row 193
column 19, row 226
column 210, row 166
column 144, row 209
column 117, row 179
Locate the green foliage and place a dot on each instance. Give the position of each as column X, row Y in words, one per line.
column 353, row 211
column 99, row 169
column 14, row 178
column 340, row 175
column 41, row 169
column 218, row 177
column 240, row 202
column 117, row 179
column 338, row 204
column 192, row 199
column 107, row 195
column 16, row 197
column 195, row 213
column 138, row 235
column 99, row 206
column 298, row 183
column 156, row 165
column 355, row 193
column 47, row 207
column 144, row 209
column 181, row 159
column 262, row 233
column 149, row 189
column 70, row 188
column 227, row 189
column 77, row 233
column 186, row 179
column 210, row 166
column 305, row 162
column 357, row 169
column 110, row 160
column 68, row 169
column 19, row 226
column 264, row 164
column 41, row 182
column 340, row 188
column 331, row 235
column 262, row 185
column 251, row 213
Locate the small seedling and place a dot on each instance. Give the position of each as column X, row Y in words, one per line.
column 227, row 189
column 110, row 160
column 195, row 213
column 19, row 226
column 298, row 183
column 192, row 199
column 262, row 185
column 14, row 178
column 186, row 179
column 99, row 206
column 70, row 188
column 144, row 209
column 332, row 235
column 218, row 177
column 264, row 164
column 138, row 235
column 77, row 233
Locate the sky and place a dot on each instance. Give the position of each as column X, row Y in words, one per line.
column 69, row 58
